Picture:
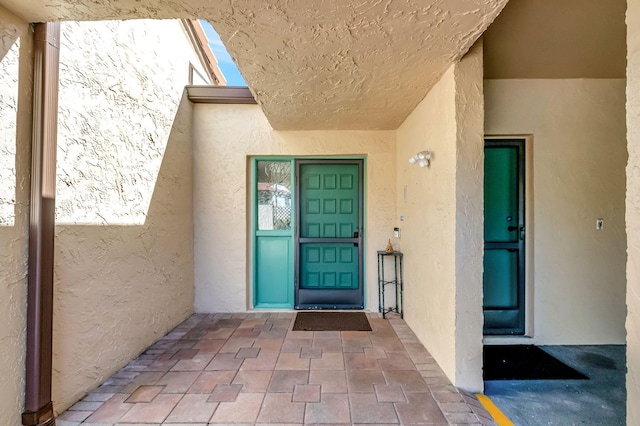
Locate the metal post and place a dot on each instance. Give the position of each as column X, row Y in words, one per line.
column 38, row 405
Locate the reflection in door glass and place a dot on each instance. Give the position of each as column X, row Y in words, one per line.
column 274, row 195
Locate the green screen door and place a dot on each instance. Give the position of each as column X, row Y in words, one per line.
column 504, row 234
column 329, row 235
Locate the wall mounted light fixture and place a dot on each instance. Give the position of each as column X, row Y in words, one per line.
column 423, row 158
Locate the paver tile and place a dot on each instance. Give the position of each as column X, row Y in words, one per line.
column 355, row 335
column 330, row 381
column 283, row 381
column 152, row 412
column 209, row 346
column 248, row 353
column 86, row 406
column 455, row 407
column 365, row 408
column 197, row 363
column 101, row 397
column 245, row 332
column 244, row 410
column 333, row 409
column 111, row 411
column 306, row 393
column 279, row 408
column 358, row 361
column 144, row 378
column 410, row 380
column 74, row 416
column 326, row 335
column 389, row 393
column 356, row 346
column 224, row 362
column 292, row 361
column 207, row 381
column 222, row 333
column 266, row 360
column 376, row 353
column 178, row 381
column 328, row 345
column 191, row 409
column 225, row 393
column 420, row 408
column 329, row 361
column 311, row 353
column 252, row 322
column 299, row 334
column 397, row 361
column 162, row 364
column 233, row 345
column 185, row 353
column 295, row 345
column 253, row 381
column 362, row 381
column 274, row 345
column 145, row 393
column 462, row 418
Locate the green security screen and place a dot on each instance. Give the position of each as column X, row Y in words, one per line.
column 501, row 194
column 328, row 210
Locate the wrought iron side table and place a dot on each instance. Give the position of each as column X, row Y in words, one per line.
column 396, row 282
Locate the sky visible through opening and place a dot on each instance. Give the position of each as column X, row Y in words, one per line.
column 226, row 64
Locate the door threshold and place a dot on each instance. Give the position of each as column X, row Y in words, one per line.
column 508, row 340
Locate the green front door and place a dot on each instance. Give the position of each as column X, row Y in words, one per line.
column 329, row 235
column 504, row 235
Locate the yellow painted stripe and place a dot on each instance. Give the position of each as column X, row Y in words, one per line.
column 495, row 412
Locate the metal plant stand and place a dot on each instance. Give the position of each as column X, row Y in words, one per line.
column 396, row 282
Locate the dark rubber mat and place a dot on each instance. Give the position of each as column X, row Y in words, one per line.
column 331, row 321
column 525, row 362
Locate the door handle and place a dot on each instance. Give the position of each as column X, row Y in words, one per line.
column 356, row 235
column 511, row 228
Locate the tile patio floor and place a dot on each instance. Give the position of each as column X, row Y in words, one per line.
column 253, row 369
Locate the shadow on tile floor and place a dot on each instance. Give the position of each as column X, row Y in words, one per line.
column 601, row 400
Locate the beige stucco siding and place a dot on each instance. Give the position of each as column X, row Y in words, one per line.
column 469, row 101
column 441, row 231
column 225, row 136
column 633, row 213
column 124, row 236
column 428, row 228
column 15, row 151
column 579, row 155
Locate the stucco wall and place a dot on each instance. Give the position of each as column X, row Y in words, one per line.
column 579, row 155
column 15, row 151
column 124, row 240
column 633, row 212
column 224, row 136
column 442, row 227
column 469, row 99
column 428, row 230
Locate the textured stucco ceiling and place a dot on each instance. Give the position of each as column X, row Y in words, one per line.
column 317, row 64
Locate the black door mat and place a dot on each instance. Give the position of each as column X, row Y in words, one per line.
column 525, row 362
column 331, row 321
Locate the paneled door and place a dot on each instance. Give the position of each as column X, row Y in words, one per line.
column 504, row 235
column 328, row 235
